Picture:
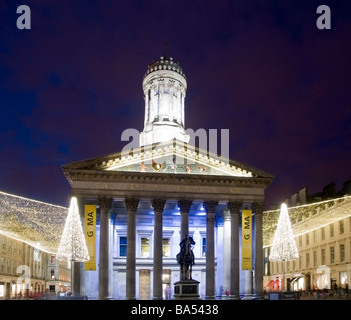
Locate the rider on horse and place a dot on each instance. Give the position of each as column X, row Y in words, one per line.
column 186, row 257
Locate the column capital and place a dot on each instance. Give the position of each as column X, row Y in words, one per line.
column 210, row 206
column 234, row 206
column 226, row 214
column 131, row 203
column 158, row 204
column 258, row 207
column 184, row 205
column 104, row 202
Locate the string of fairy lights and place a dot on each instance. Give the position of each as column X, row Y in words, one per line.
column 37, row 223
column 307, row 218
column 41, row 224
column 284, row 246
column 72, row 244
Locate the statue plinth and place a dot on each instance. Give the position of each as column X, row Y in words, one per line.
column 186, row 290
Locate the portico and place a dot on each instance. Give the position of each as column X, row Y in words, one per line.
column 91, row 182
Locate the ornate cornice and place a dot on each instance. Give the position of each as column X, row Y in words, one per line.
column 115, row 161
column 142, row 177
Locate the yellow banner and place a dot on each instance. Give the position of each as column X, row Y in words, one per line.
column 90, row 236
column 246, row 239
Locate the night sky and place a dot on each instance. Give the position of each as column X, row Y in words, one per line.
column 72, row 84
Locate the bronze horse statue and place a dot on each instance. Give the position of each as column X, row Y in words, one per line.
column 186, row 258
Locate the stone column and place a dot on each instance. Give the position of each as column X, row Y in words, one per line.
column 258, row 208
column 210, row 207
column 77, row 275
column 234, row 208
column 75, row 278
column 226, row 251
column 78, row 289
column 158, row 205
column 104, row 252
column 248, row 285
column 184, row 206
column 132, row 206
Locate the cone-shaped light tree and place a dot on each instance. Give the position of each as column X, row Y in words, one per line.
column 72, row 245
column 284, row 245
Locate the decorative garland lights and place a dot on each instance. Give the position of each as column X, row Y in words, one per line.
column 307, row 218
column 37, row 223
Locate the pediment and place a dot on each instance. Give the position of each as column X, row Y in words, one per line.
column 178, row 164
column 174, row 157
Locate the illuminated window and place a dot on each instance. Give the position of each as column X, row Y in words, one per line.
column 323, row 256
column 203, row 247
column 342, row 253
column 332, row 230
column 166, row 247
column 52, row 273
column 332, row 255
column 341, row 226
column 145, row 247
column 122, row 246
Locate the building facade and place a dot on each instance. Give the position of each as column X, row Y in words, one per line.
column 58, row 276
column 22, row 269
column 28, row 272
column 151, row 196
column 323, row 237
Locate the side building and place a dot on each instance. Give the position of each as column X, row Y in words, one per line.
column 29, row 233
column 58, row 279
column 322, row 233
column 22, row 269
column 27, row 272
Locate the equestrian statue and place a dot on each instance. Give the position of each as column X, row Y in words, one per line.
column 186, row 257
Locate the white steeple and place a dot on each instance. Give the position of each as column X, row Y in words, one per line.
column 164, row 87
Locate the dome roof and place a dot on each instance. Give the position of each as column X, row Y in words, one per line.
column 164, row 63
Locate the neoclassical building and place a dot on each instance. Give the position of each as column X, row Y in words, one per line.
column 150, row 196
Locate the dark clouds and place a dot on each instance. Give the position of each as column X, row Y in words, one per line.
column 72, row 84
